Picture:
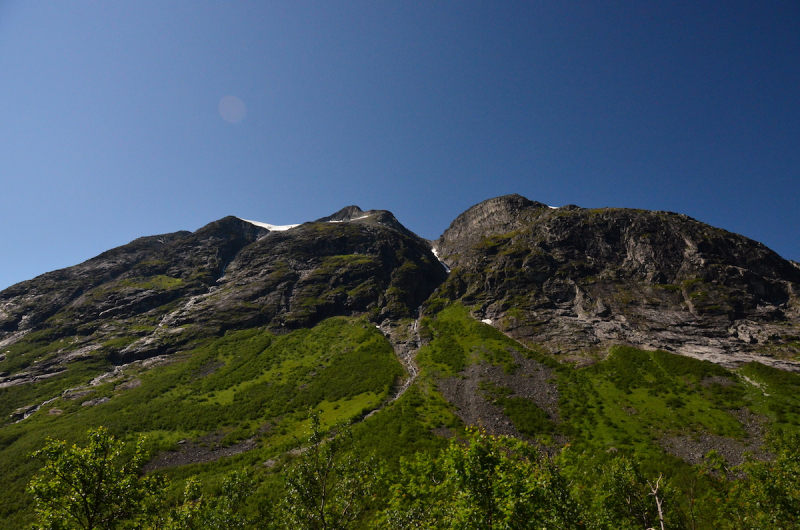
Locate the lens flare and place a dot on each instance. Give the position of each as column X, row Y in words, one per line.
column 232, row 109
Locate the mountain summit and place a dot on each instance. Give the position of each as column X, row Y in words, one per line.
column 578, row 279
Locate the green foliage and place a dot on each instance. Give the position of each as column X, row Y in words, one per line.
column 208, row 512
column 77, row 373
column 768, row 497
column 256, row 386
column 447, row 351
column 87, row 488
column 634, row 397
column 326, row 489
column 488, row 483
column 627, row 500
column 526, row 416
column 159, row 282
column 35, row 346
column 782, row 401
column 457, row 341
column 246, row 385
column 404, row 428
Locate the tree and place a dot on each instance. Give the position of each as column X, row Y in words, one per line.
column 201, row 512
column 89, row 488
column 768, row 495
column 491, row 482
column 630, row 500
column 326, row 488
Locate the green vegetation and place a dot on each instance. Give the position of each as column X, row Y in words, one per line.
column 479, row 482
column 489, row 482
column 526, row 416
column 457, row 341
column 326, row 488
column 255, row 388
column 777, row 395
column 246, row 385
column 86, row 489
column 158, row 282
column 635, row 397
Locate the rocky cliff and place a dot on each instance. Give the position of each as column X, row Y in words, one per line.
column 578, row 280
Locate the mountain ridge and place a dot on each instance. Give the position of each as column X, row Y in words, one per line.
column 581, row 262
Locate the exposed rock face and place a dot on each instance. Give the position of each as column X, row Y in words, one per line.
column 355, row 214
column 298, row 277
column 116, row 283
column 577, row 279
column 491, row 217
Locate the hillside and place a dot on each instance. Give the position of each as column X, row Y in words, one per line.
column 610, row 330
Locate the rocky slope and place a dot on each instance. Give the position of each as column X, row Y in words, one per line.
column 572, row 279
column 159, row 294
column 578, row 280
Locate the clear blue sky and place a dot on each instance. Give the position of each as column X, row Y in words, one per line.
column 110, row 122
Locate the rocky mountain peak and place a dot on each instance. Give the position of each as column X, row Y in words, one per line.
column 353, row 213
column 574, row 279
column 347, row 213
column 493, row 216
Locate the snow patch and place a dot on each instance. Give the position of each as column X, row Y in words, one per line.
column 553, row 207
column 271, row 228
column 487, row 321
column 332, row 221
column 362, row 217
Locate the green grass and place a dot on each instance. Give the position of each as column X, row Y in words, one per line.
column 457, row 340
column 159, row 282
column 778, row 396
column 634, row 397
column 244, row 384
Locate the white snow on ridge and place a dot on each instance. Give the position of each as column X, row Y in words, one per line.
column 352, row 219
column 487, row 321
column 553, row 207
column 271, row 228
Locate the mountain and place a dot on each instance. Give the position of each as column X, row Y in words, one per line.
column 608, row 328
column 158, row 294
column 579, row 280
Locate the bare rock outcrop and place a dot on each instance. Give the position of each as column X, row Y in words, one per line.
column 578, row 280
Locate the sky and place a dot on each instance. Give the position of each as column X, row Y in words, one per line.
column 120, row 119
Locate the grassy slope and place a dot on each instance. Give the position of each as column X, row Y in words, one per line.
column 632, row 397
column 251, row 383
column 624, row 404
column 245, row 384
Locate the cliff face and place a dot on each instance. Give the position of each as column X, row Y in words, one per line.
column 579, row 280
column 491, row 217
